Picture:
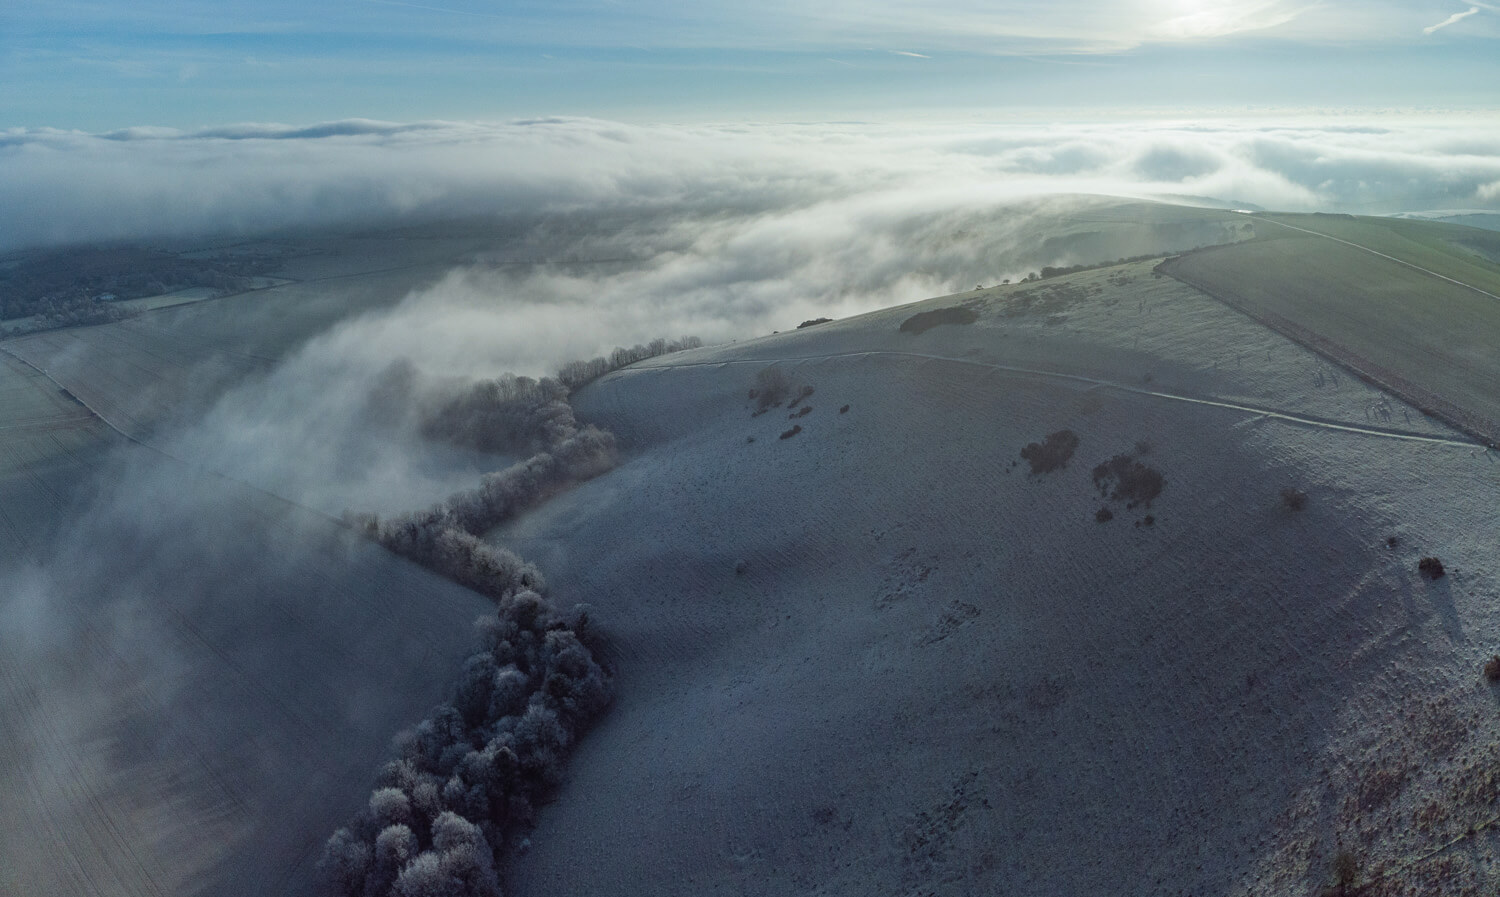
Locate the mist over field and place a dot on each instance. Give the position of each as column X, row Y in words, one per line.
column 615, row 234
column 422, row 261
column 69, row 186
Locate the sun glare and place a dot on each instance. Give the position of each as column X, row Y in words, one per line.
column 1202, row 19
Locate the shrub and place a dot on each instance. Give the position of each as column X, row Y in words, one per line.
column 772, row 386
column 1431, row 567
column 1345, row 871
column 1051, row 453
column 1293, row 499
column 813, row 323
column 1492, row 668
column 1122, row 478
column 1104, row 515
column 792, row 432
column 921, row 322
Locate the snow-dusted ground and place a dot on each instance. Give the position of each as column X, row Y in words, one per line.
column 935, row 672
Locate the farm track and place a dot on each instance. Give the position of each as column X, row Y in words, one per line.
column 1257, row 410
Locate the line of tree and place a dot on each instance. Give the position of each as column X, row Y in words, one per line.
column 468, row 778
column 577, row 373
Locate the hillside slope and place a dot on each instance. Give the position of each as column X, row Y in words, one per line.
column 881, row 656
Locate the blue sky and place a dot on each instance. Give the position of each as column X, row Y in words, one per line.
column 101, row 65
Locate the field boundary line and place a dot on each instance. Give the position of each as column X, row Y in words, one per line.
column 166, row 454
column 1484, row 432
column 1305, row 420
column 1391, row 258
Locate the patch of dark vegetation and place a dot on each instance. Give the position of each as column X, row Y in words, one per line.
column 792, row 432
column 844, row 410
column 520, row 414
column 1345, row 876
column 1123, row 478
column 74, row 311
column 749, row 439
column 772, row 386
column 1431, row 567
column 80, row 282
column 1058, row 271
column 507, row 414
column 803, row 412
column 802, row 395
column 1293, row 499
column 813, row 323
column 1492, row 669
column 468, row 780
column 1391, row 542
column 923, row 321
column 1044, row 301
column 444, row 536
column 1379, row 785
column 1148, row 520
column 1052, row 453
column 575, row 374
column 1104, row 515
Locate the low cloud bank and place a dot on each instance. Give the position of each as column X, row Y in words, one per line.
column 65, row 186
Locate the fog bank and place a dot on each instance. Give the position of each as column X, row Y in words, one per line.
column 68, row 186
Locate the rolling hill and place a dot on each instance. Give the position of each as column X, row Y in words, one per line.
column 1091, row 583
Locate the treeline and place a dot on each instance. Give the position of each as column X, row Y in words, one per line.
column 1053, row 271
column 507, row 414
column 470, row 777
column 445, row 537
column 124, row 271
column 513, row 414
column 56, row 312
column 576, row 373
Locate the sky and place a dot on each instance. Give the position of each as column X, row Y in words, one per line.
column 168, row 118
column 97, row 66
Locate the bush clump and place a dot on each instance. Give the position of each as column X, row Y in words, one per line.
column 923, row 321
column 1104, row 515
column 1431, row 567
column 1123, row 478
column 1492, row 669
column 1052, row 453
column 772, row 386
column 469, row 778
column 1293, row 499
column 577, row 373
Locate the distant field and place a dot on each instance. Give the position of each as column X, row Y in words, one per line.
column 1466, row 254
column 1428, row 339
column 43, row 434
column 194, row 715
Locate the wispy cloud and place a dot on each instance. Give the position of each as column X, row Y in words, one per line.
column 910, row 53
column 1456, row 17
column 1217, row 18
